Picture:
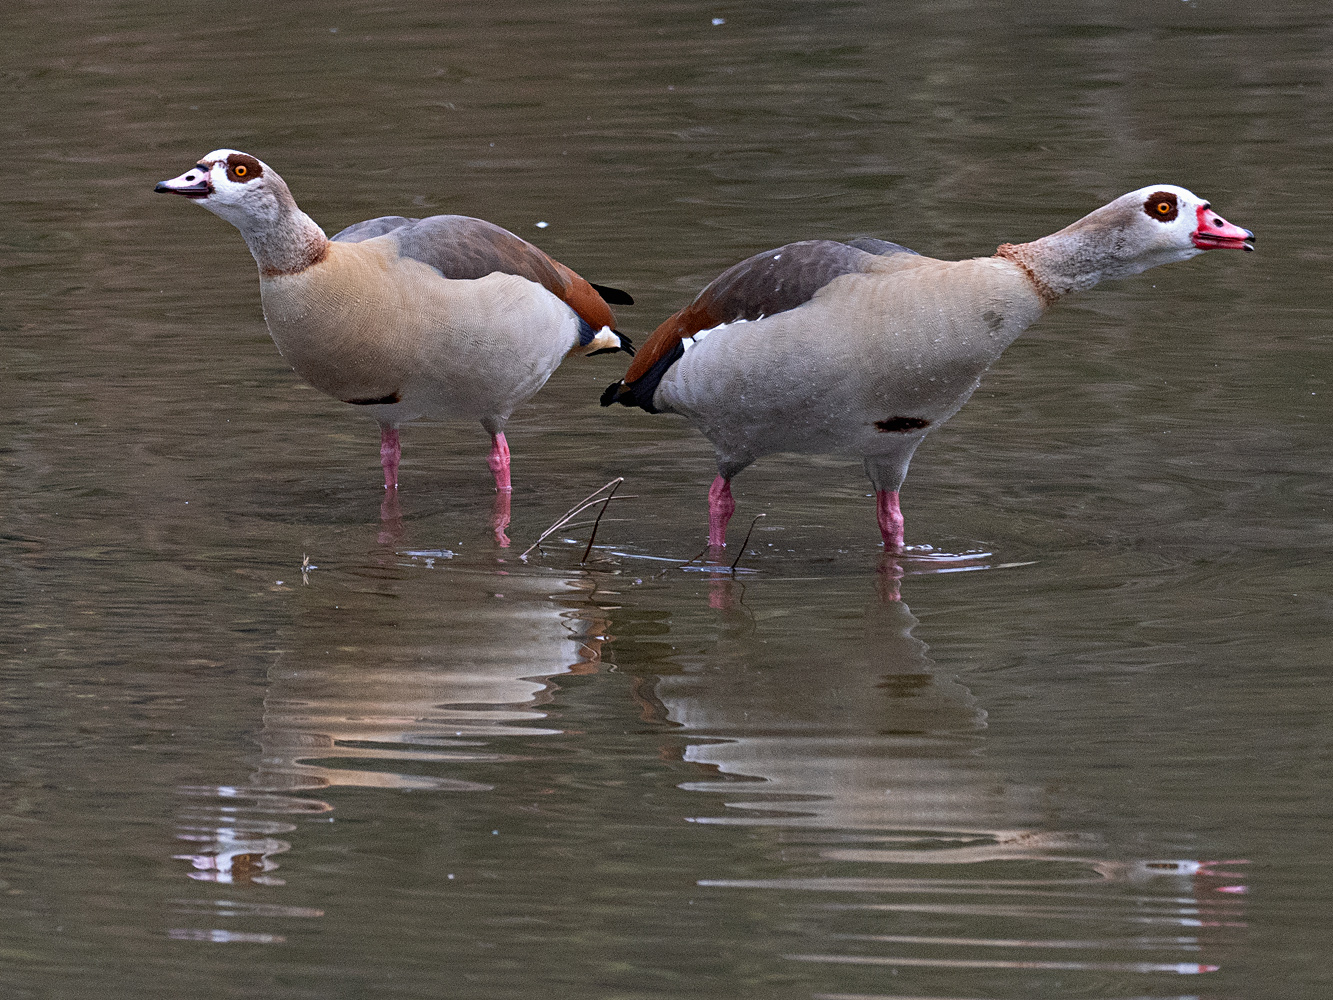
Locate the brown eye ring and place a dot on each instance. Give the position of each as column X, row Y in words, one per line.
column 1163, row 206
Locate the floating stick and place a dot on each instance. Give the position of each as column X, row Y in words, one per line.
column 591, row 500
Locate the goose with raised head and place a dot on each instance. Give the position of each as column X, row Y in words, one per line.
column 863, row 348
column 446, row 316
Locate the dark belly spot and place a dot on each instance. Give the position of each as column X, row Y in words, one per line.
column 900, row 425
column 392, row 397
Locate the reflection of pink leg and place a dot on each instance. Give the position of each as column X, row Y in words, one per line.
column 499, row 463
column 721, row 505
column 390, row 452
column 721, row 591
column 888, row 579
column 890, row 519
column 500, row 517
column 391, row 519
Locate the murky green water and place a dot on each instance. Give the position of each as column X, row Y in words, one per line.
column 1091, row 760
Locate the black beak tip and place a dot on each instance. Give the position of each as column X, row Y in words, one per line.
column 162, row 188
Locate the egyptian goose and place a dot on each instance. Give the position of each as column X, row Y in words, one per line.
column 863, row 348
column 443, row 317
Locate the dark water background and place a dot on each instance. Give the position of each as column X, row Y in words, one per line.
column 1093, row 763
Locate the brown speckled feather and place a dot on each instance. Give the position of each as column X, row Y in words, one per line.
column 461, row 247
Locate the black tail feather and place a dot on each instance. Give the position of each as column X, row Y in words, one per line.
column 640, row 392
column 612, row 296
column 612, row 393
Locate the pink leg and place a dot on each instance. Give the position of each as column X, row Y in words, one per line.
column 390, row 452
column 500, row 517
column 890, row 519
column 499, row 462
column 721, row 505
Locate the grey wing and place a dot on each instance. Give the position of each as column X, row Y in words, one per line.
column 459, row 246
column 463, row 248
column 880, row 248
column 772, row 282
column 371, row 228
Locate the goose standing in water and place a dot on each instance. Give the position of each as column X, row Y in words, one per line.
column 441, row 317
column 863, row 348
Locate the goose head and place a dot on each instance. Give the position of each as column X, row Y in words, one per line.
column 1157, row 224
column 240, row 188
column 249, row 194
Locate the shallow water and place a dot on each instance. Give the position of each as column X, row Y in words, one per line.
column 260, row 744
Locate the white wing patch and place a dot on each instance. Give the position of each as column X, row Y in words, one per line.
column 606, row 337
column 698, row 335
column 603, row 339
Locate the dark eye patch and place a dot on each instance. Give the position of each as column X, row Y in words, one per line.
column 242, row 167
column 1162, row 206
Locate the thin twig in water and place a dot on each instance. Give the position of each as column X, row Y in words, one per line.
column 590, row 500
column 746, row 542
column 574, row 513
column 576, row 525
column 593, row 536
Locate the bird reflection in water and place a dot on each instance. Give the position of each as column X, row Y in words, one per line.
column 392, row 533
column 868, row 759
column 385, row 702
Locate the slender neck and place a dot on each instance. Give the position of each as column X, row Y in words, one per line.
column 1115, row 241
column 1064, row 262
column 286, row 244
column 282, row 238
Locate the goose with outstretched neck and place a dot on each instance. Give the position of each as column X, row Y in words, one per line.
column 446, row 316
column 864, row 348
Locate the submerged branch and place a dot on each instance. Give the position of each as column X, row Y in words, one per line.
column 593, row 536
column 746, row 542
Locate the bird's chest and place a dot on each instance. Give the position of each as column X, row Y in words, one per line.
column 353, row 340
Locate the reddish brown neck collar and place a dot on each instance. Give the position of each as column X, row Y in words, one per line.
column 1017, row 254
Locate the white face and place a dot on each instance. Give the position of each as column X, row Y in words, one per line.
column 1169, row 214
column 1181, row 220
column 231, row 184
column 1158, row 224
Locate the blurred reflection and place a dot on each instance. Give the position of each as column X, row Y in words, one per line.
column 365, row 702
column 842, row 738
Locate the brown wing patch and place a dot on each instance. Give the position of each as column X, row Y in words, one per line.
column 461, row 247
column 763, row 285
column 580, row 296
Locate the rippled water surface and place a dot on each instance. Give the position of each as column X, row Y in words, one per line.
column 259, row 744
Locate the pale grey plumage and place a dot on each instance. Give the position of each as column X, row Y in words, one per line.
column 864, row 348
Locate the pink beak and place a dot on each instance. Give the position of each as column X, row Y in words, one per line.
column 1215, row 233
column 193, row 183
